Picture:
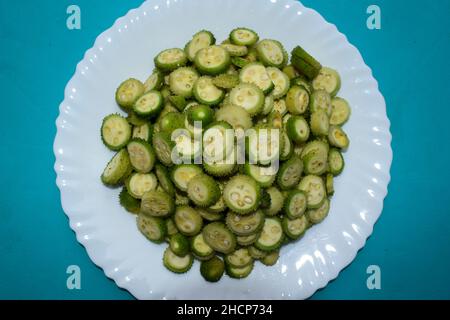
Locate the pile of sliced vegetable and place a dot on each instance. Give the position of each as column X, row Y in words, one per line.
column 227, row 215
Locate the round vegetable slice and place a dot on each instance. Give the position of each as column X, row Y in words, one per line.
column 305, row 63
column 218, row 142
column 149, row 104
column 188, row 221
column 163, row 147
column 182, row 81
column 179, row 244
column 268, row 105
column 200, row 248
column 140, row 183
column 116, row 132
column 295, row 204
column 239, row 258
column 317, row 215
column 164, row 179
column 154, row 82
column 320, row 123
column 170, row 59
column 329, row 184
column 203, row 190
column 243, row 37
column 320, row 100
column 239, row 273
column 236, row 116
column 265, row 176
column 128, row 202
column 271, row 258
column 289, row 174
column 315, row 163
column 242, row 194
column 271, row 53
column 212, row 270
column 226, row 81
column 340, row 111
column 206, row 92
column 280, row 80
column 235, row 50
column 212, row 60
column 218, row 237
column 245, row 225
column 264, row 145
column 314, row 189
column 276, row 201
column 297, row 129
column 255, row 73
column 335, row 162
column 338, row 138
column 249, row 97
column 183, row 173
column 142, row 155
column 170, row 122
column 128, row 92
column 295, row 228
column 271, row 235
column 153, row 228
column 200, row 113
column 200, row 40
column 209, row 215
column 144, row 132
column 256, row 253
column 329, row 80
column 117, row 169
column 157, row 204
column 175, row 263
column 297, row 100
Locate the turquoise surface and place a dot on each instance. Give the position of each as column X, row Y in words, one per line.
column 409, row 58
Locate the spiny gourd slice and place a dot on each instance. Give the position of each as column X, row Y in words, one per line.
column 276, row 201
column 212, row 270
column 236, row 116
column 271, row 258
column 171, row 227
column 314, row 189
column 128, row 92
column 317, row 215
column 117, row 169
column 289, row 174
column 320, row 100
column 163, row 146
column 149, row 104
column 271, row 235
column 206, row 92
column 175, row 263
column 226, row 81
column 203, row 190
column 179, row 244
column 242, row 194
column 329, row 80
column 218, row 142
column 235, row 50
column 115, row 131
column 264, row 145
column 212, row 60
column 200, row 40
column 265, row 176
column 243, row 37
column 268, row 105
column 287, row 149
column 248, row 96
column 271, row 53
column 245, row 225
column 239, row 258
column 142, row 155
column 219, row 237
column 188, row 221
column 280, row 80
column 319, row 123
column 340, row 111
column 335, row 161
column 329, row 184
column 297, row 100
column 128, row 202
column 297, row 129
column 209, row 215
column 256, row 253
column 247, row 240
column 239, row 273
column 305, row 63
column 200, row 113
column 164, row 179
column 140, row 183
column 295, row 228
column 157, row 204
column 183, row 173
column 295, row 204
column 315, row 163
column 144, row 132
column 170, row 59
column 182, row 80
column 154, row 82
column 153, row 228
column 200, row 248
column 255, row 73
column 338, row 138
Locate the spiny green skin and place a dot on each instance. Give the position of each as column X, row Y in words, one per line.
column 197, row 92
column 128, row 202
column 292, row 130
column 178, row 101
column 212, row 42
column 123, row 170
column 212, row 270
column 235, row 50
column 184, row 92
column 267, row 90
column 291, row 195
column 276, row 202
column 209, row 184
column 157, row 84
column 276, row 245
column 257, row 216
column 143, row 220
column 233, row 258
column 148, row 148
column 138, row 90
column 294, row 236
column 127, row 126
column 170, row 122
column 209, row 215
column 303, row 187
column 234, row 272
column 157, row 198
column 271, row 259
column 164, row 179
column 253, row 184
column 335, row 170
column 163, row 137
column 305, row 63
column 201, row 113
column 220, row 170
column 180, row 271
column 179, row 244
column 165, row 68
column 247, row 240
column 293, row 162
column 226, row 81
column 193, row 215
column 256, row 253
column 156, row 109
column 333, row 73
column 183, row 167
column 210, row 232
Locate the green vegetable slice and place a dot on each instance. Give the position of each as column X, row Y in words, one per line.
column 170, row 59
column 116, row 132
column 175, row 263
column 117, row 169
column 318, row 215
column 249, row 97
column 239, row 258
column 296, row 204
column 212, row 270
column 200, row 40
column 140, row 183
column 153, row 228
column 242, row 194
column 203, row 190
column 329, row 80
column 245, row 225
column 340, row 111
column 219, row 237
column 128, row 92
column 255, row 73
column 212, row 60
column 271, row 235
column 295, row 228
column 179, row 244
column 314, row 189
column 157, row 204
column 243, row 37
column 188, row 221
column 142, row 155
column 289, row 174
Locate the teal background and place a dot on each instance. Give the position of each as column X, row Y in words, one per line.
column 409, row 58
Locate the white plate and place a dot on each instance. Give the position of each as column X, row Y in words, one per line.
column 127, row 50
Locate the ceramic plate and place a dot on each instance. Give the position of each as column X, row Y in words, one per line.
column 127, row 50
